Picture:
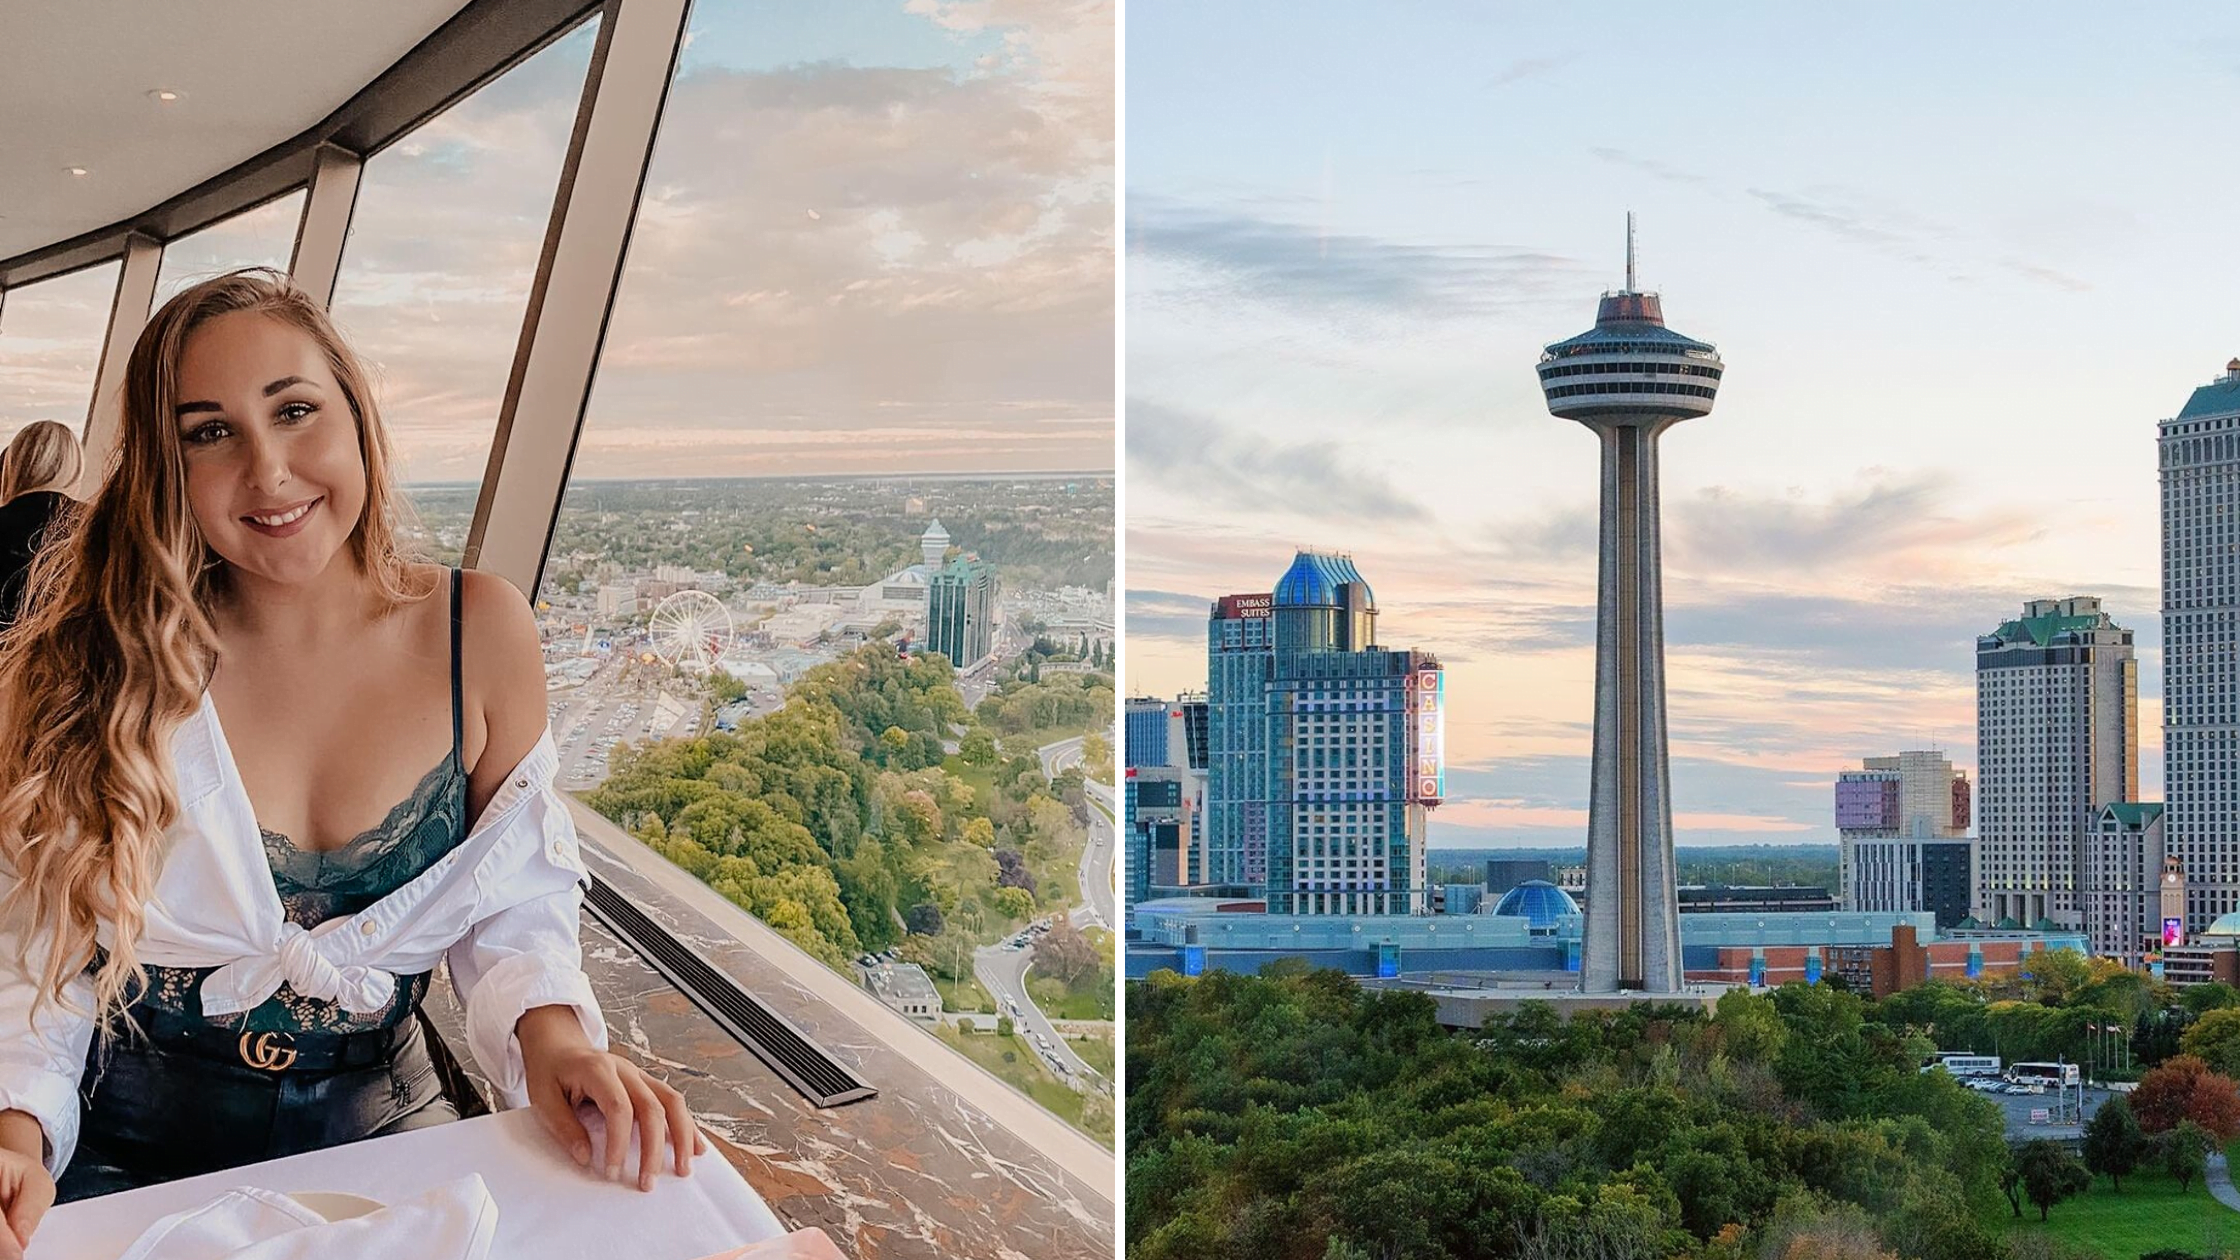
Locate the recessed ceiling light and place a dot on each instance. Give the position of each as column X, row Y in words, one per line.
column 74, row 170
column 166, row 95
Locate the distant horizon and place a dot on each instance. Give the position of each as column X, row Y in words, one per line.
column 1035, row 475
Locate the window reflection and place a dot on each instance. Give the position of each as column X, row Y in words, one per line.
column 843, row 492
column 262, row 236
column 50, row 347
column 435, row 275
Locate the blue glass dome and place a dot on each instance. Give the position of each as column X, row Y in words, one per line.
column 1538, row 902
column 1314, row 578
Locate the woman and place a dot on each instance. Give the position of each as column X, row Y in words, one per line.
column 219, row 824
column 36, row 474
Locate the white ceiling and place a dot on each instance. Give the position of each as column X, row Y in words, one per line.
column 75, row 78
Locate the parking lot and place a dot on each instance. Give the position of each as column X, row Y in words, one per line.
column 2018, row 1108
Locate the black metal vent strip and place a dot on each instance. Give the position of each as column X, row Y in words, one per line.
column 803, row 1063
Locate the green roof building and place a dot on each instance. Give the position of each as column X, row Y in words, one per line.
column 961, row 611
column 2199, row 459
column 2057, row 735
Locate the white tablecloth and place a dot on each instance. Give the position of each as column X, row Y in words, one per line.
column 548, row 1208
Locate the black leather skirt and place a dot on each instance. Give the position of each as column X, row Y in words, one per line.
column 183, row 1102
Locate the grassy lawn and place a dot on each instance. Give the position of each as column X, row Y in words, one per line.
column 981, row 778
column 1094, row 1051
column 1025, row 1073
column 1085, row 1000
column 964, row 995
column 2149, row 1215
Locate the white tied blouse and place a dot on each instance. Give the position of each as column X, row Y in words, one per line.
column 502, row 908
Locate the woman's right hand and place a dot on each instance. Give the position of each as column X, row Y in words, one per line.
column 26, row 1188
column 26, row 1192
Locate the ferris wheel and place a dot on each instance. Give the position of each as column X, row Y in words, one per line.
column 691, row 629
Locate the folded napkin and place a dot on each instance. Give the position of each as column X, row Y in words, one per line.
column 454, row 1221
column 801, row 1244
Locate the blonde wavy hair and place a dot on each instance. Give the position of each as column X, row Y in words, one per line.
column 116, row 645
column 43, row 456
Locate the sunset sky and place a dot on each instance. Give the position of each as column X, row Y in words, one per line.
column 876, row 237
column 1958, row 265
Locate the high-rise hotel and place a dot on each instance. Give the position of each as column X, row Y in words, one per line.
column 1325, row 750
column 1240, row 656
column 2057, row 730
column 2200, row 461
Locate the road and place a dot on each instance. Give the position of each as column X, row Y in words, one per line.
column 1095, row 872
column 1002, row 970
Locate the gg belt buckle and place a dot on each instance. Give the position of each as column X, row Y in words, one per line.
column 268, row 1051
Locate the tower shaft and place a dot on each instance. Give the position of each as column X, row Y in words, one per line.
column 1632, row 938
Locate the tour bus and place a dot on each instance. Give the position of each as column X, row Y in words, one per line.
column 1962, row 1063
column 2063, row 1074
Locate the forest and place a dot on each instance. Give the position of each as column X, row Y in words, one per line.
column 1296, row 1114
column 840, row 821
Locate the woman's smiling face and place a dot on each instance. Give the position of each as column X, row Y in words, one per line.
column 275, row 477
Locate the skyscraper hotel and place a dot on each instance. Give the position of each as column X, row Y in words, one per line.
column 2200, row 468
column 1355, row 746
column 2057, row 722
column 1324, row 750
column 1240, row 656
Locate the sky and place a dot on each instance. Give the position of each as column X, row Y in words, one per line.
column 1959, row 260
column 878, row 236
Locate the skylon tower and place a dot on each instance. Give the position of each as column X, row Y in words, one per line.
column 1628, row 380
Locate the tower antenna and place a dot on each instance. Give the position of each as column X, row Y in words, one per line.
column 1629, row 251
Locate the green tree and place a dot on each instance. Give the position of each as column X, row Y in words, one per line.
column 2215, row 1040
column 977, row 748
column 2050, row 1175
column 1003, row 1026
column 981, row 832
column 1749, row 1026
column 2213, row 996
column 2185, row 1153
column 2114, row 1145
column 1013, row 903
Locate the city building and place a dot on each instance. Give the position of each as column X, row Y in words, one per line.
column 1915, row 874
column 1144, row 731
column 961, row 611
column 1356, row 735
column 2200, row 470
column 933, row 547
column 907, row 988
column 1532, row 946
column 2211, row 955
column 1161, row 806
column 1915, row 795
column 2057, row 733
column 1240, row 655
column 1628, row 380
column 1191, row 712
column 1503, row 874
column 2127, row 872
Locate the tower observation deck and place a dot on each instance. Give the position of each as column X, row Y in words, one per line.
column 1628, row 379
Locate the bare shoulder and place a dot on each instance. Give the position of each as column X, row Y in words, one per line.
column 502, row 664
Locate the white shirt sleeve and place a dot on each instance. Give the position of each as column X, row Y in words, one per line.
column 42, row 1060
column 523, row 957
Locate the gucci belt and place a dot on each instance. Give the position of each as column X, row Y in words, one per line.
column 268, row 1051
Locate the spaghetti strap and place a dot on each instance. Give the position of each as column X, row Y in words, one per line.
column 458, row 742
